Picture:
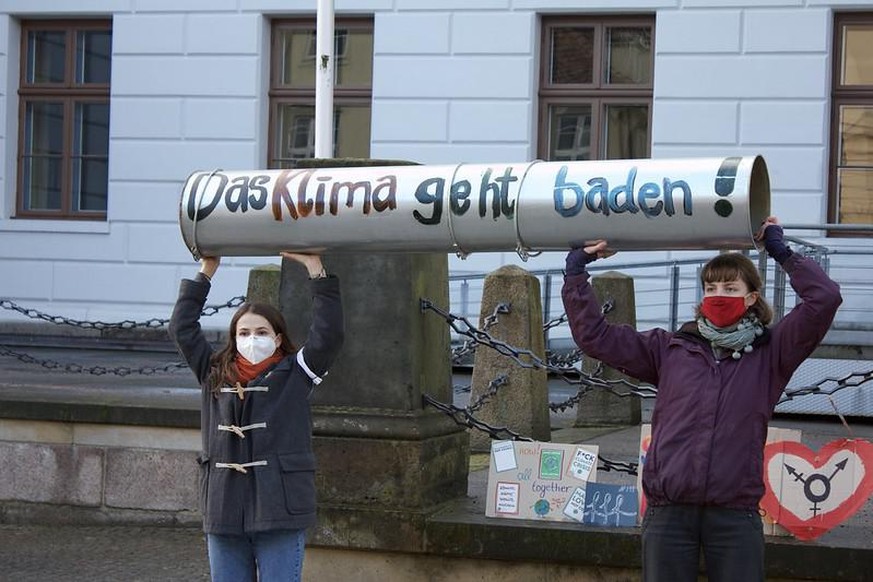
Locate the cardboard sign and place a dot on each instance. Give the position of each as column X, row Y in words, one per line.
column 613, row 505
column 775, row 436
column 537, row 480
column 810, row 493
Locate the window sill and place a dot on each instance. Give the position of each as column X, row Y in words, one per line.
column 61, row 226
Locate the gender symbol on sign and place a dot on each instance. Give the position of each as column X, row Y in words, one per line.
column 816, row 487
column 836, row 481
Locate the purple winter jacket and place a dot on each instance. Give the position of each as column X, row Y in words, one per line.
column 710, row 419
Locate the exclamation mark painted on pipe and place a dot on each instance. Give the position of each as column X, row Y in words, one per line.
column 724, row 185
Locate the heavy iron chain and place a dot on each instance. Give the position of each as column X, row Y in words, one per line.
column 153, row 323
column 95, row 370
column 567, row 360
column 469, row 346
column 853, row 380
column 555, row 322
column 562, row 368
column 588, row 382
column 464, row 417
column 493, row 387
column 606, row 307
column 571, row 375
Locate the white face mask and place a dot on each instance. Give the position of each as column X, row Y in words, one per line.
column 256, row 348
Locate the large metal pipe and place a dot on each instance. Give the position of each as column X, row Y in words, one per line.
column 635, row 204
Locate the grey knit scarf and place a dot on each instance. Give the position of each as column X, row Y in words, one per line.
column 737, row 338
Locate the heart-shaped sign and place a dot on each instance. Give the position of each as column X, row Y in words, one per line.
column 809, row 493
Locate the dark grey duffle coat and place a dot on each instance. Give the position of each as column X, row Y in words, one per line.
column 257, row 465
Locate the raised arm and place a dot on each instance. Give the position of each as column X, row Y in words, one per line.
column 798, row 334
column 327, row 331
column 619, row 346
column 184, row 327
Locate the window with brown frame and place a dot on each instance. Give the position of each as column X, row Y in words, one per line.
column 851, row 172
column 292, row 90
column 595, row 95
column 63, row 138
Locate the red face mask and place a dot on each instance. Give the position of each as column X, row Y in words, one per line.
column 723, row 311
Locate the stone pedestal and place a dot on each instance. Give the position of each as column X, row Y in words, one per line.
column 523, row 403
column 264, row 283
column 600, row 407
column 384, row 461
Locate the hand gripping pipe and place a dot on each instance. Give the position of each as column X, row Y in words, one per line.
column 696, row 203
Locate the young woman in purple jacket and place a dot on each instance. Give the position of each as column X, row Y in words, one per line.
column 719, row 378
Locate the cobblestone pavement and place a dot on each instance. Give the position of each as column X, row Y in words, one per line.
column 101, row 554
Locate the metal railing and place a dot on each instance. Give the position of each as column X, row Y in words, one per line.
column 666, row 291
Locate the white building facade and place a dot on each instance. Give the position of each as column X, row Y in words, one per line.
column 106, row 108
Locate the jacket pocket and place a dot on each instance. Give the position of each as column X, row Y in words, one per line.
column 298, row 481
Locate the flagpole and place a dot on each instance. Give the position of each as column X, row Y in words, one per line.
column 324, row 78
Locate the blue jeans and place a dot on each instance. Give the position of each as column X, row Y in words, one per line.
column 268, row 556
column 732, row 541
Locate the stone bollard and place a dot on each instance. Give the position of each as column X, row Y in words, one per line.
column 264, row 282
column 522, row 404
column 600, row 407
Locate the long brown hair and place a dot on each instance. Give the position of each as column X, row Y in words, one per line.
column 732, row 266
column 223, row 366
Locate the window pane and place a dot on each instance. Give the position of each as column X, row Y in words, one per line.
column 856, row 136
column 93, row 51
column 352, row 135
column 91, row 129
column 42, row 183
column 43, row 128
column 627, row 132
column 629, row 60
column 90, row 181
column 354, row 58
column 353, row 52
column 572, row 55
column 857, row 54
column 296, row 135
column 856, row 201
column 570, row 133
column 90, row 155
column 45, row 56
column 297, row 64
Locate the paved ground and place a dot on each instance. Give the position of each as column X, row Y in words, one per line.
column 101, row 554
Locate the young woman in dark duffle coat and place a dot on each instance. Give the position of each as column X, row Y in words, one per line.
column 257, row 480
